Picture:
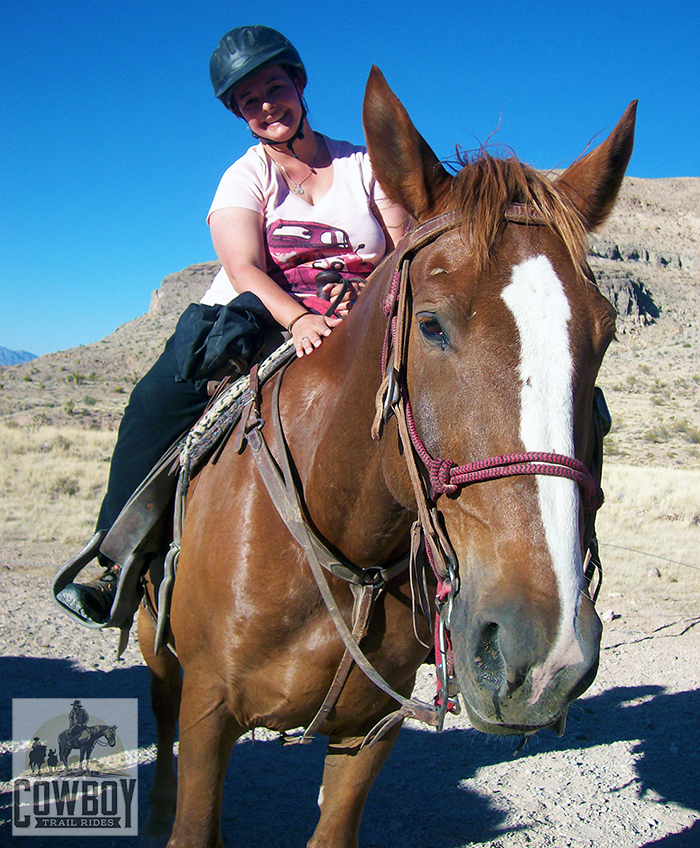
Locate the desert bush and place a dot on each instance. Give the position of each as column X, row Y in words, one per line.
column 612, row 447
column 687, row 430
column 61, row 442
column 51, row 479
column 665, row 431
column 41, row 419
column 64, row 486
column 657, row 434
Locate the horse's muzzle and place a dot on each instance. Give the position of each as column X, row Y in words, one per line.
column 513, row 676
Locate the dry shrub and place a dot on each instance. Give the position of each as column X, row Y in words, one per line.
column 655, row 511
column 52, row 480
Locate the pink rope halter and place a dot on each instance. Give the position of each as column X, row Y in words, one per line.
column 445, row 476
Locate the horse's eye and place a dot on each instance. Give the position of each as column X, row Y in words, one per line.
column 432, row 330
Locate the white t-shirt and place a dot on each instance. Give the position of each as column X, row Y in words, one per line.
column 339, row 232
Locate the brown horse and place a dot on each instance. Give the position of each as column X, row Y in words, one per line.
column 503, row 335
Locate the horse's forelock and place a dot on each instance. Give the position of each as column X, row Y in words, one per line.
column 486, row 185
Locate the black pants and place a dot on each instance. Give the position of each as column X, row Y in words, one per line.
column 161, row 408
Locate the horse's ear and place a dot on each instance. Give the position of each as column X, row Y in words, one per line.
column 406, row 167
column 594, row 181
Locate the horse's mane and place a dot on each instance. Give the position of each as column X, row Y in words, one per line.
column 486, row 185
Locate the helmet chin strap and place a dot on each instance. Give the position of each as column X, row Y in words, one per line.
column 299, row 134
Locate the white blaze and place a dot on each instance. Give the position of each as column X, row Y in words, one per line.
column 542, row 313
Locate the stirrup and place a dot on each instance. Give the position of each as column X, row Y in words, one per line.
column 92, row 601
column 128, row 589
column 71, row 570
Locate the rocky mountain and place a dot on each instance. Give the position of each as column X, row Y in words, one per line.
column 646, row 260
column 14, row 357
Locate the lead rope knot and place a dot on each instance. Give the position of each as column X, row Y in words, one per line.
column 441, row 477
column 594, row 501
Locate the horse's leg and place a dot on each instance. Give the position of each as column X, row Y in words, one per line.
column 207, row 734
column 348, row 775
column 85, row 754
column 166, row 687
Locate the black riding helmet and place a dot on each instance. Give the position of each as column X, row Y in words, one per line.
column 245, row 50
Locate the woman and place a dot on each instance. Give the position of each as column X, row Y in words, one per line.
column 294, row 205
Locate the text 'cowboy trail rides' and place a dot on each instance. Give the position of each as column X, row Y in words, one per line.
column 74, row 766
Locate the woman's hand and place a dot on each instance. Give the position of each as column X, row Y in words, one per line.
column 309, row 331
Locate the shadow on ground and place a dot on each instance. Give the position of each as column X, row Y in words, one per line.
column 420, row 797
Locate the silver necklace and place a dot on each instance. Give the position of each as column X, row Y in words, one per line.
column 297, row 188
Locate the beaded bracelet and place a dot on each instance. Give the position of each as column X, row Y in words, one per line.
column 294, row 320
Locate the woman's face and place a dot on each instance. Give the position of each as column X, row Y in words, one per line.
column 270, row 103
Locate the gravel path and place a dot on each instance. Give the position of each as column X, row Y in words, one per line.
column 626, row 773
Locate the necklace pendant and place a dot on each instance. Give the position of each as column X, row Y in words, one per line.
column 298, row 190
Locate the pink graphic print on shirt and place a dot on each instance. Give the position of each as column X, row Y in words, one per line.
column 300, row 249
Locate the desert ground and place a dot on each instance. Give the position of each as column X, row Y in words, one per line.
column 625, row 774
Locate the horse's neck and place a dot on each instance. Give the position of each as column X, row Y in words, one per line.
column 338, row 462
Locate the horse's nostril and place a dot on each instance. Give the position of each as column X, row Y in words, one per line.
column 489, row 660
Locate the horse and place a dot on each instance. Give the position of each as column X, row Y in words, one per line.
column 37, row 758
column 460, row 389
column 87, row 739
column 52, row 759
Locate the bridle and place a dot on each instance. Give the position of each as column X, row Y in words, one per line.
column 445, row 477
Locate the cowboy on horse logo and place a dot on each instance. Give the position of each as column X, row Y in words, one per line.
column 91, row 783
column 83, row 737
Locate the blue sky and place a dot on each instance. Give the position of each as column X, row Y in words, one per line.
column 112, row 142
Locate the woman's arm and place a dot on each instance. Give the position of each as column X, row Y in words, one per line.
column 237, row 235
column 393, row 220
